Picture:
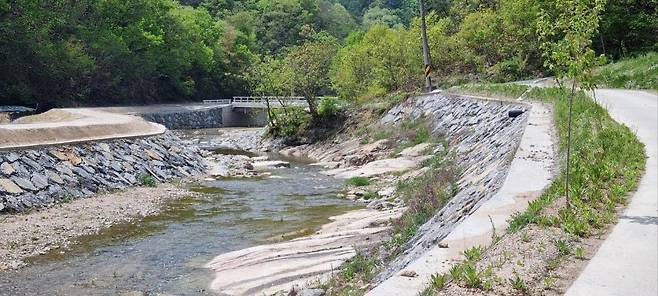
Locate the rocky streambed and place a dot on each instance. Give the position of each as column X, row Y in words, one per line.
column 159, row 240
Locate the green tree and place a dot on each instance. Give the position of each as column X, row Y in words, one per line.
column 309, row 67
column 375, row 62
column 566, row 29
column 381, row 16
column 335, row 19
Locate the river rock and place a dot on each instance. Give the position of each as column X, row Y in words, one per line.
column 415, row 151
column 40, row 181
column 7, row 169
column 8, row 186
column 12, row 157
column 312, row 292
column 24, row 183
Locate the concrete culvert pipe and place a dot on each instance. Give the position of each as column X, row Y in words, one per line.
column 514, row 113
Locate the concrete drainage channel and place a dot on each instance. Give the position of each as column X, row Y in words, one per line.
column 472, row 216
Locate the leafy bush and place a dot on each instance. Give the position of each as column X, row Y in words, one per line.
column 358, row 181
column 329, row 107
column 147, row 180
column 376, row 62
column 288, row 121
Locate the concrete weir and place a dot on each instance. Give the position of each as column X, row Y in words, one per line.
column 197, row 115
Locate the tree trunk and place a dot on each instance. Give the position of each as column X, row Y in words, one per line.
column 566, row 190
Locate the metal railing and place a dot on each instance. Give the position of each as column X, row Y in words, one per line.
column 262, row 100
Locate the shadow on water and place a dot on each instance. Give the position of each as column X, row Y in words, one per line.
column 166, row 253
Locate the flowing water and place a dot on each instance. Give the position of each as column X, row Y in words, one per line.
column 166, row 253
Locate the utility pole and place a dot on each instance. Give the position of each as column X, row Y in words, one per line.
column 426, row 49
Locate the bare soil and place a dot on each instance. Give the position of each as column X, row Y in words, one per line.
column 37, row 232
column 54, row 115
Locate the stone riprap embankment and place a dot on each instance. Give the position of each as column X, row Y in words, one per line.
column 484, row 138
column 43, row 176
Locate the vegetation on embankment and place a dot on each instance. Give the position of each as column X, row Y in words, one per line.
column 639, row 72
column 545, row 241
column 423, row 196
column 509, row 91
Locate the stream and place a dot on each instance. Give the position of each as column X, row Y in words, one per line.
column 166, row 253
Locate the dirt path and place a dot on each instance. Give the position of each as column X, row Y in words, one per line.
column 627, row 262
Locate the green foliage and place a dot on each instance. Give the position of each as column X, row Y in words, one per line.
column 381, row 16
column 329, row 107
column 370, row 195
column 358, row 181
column 638, row 72
column 438, row 280
column 288, row 121
column 146, row 180
column 474, row 253
column 563, row 247
column 424, row 195
column 107, row 52
column 608, row 161
column 518, row 283
column 506, row 90
column 359, row 266
column 627, row 27
column 376, row 62
column 565, row 29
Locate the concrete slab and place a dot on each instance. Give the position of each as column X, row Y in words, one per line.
column 627, row 262
column 530, row 172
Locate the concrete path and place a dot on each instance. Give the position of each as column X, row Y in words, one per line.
column 627, row 262
column 530, row 172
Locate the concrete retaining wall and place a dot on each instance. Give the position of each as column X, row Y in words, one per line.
column 194, row 119
column 44, row 176
column 221, row 116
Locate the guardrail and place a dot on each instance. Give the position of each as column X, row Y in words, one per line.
column 262, row 100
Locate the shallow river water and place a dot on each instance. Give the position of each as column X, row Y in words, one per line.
column 167, row 253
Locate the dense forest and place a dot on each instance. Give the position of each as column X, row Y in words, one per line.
column 105, row 52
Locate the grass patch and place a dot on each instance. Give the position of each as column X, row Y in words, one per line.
column 504, row 90
column 370, row 195
column 607, row 162
column 358, row 181
column 637, row 72
column 424, row 195
column 147, row 180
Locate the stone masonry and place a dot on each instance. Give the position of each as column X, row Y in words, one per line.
column 41, row 177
